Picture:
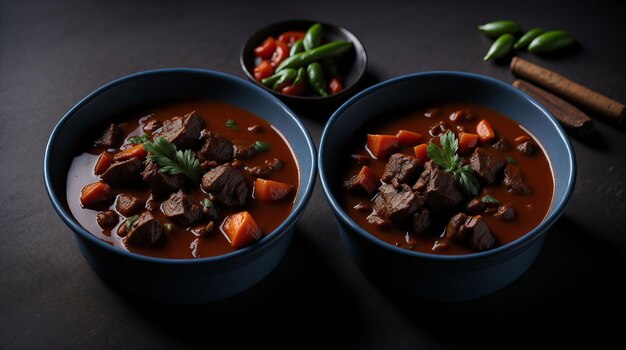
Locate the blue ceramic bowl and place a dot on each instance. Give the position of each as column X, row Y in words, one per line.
column 439, row 277
column 186, row 281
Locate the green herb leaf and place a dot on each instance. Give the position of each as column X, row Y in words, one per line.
column 231, row 124
column 489, row 200
column 261, row 146
column 169, row 226
column 511, row 160
column 447, row 158
column 131, row 220
column 207, row 203
column 173, row 161
column 135, row 140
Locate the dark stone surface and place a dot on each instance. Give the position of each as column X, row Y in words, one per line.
column 54, row 53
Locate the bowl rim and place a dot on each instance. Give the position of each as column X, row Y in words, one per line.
column 527, row 238
column 361, row 51
column 241, row 253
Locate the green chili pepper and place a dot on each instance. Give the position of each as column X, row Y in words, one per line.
column 287, row 76
column 497, row 28
column 330, row 68
column 319, row 53
column 297, row 47
column 300, row 76
column 530, row 35
column 316, row 78
column 501, row 47
column 269, row 81
column 551, row 41
column 313, row 37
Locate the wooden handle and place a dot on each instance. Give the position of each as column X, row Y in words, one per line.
column 573, row 119
column 568, row 89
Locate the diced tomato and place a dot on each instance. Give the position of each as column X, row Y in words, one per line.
column 421, row 152
column 367, row 180
column 485, row 131
column 408, row 138
column 103, row 163
column 281, row 53
column 291, row 37
column 263, row 70
column 132, row 152
column 381, row 145
column 269, row 190
column 266, row 49
column 467, row 141
column 241, row 229
column 294, row 90
column 94, row 194
column 335, row 86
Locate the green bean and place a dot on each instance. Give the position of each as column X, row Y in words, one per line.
column 269, row 81
column 530, row 35
column 313, row 37
column 501, row 47
column 319, row 53
column 551, row 41
column 297, row 47
column 316, row 78
column 287, row 76
column 300, row 75
column 498, row 28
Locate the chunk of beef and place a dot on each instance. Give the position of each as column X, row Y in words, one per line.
column 421, row 220
column 363, row 182
column 146, row 230
column 217, row 148
column 111, row 137
column 505, row 212
column 208, row 164
column 397, row 204
column 183, row 132
column 528, row 148
column 258, row 171
column 180, row 209
column 107, row 219
column 227, row 184
column 438, row 128
column 243, row 151
column 441, row 190
column 514, row 180
column 421, row 183
column 487, row 163
column 401, row 169
column 128, row 205
column 470, row 229
column 122, row 172
column 501, row 145
column 161, row 184
column 152, row 126
column 475, row 206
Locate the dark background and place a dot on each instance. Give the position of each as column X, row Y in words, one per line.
column 53, row 53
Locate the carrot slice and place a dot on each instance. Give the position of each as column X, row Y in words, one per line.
column 485, row 131
column 103, row 163
column 467, row 141
column 421, row 152
column 132, row 152
column 381, row 145
column 241, row 229
column 268, row 190
column 366, row 179
column 408, row 138
column 95, row 193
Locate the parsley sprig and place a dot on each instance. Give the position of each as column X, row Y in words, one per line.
column 447, row 158
column 173, row 161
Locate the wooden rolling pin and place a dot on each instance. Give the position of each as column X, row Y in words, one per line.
column 573, row 119
column 568, row 89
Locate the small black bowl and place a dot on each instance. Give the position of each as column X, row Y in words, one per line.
column 351, row 65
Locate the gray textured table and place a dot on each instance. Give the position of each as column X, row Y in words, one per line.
column 54, row 53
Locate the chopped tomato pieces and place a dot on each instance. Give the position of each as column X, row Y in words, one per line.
column 269, row 190
column 266, row 49
column 241, row 229
column 263, row 70
column 291, row 37
column 335, row 86
column 281, row 53
column 381, row 145
column 103, row 163
column 421, row 152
